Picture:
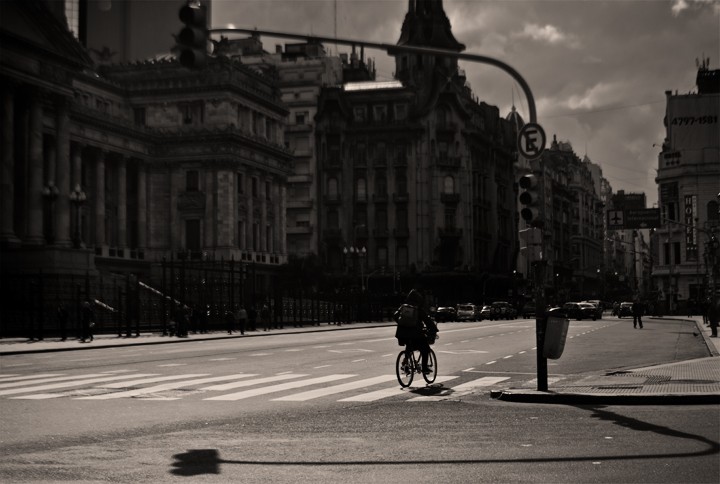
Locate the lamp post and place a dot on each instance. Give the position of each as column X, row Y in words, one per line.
column 50, row 193
column 77, row 200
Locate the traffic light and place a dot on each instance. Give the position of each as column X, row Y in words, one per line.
column 531, row 200
column 193, row 38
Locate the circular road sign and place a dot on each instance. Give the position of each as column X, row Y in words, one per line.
column 531, row 141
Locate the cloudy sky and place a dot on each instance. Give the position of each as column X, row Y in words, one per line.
column 598, row 69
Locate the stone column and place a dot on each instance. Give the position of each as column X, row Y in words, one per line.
column 62, row 175
column 122, row 203
column 142, row 207
column 76, row 162
column 282, row 221
column 7, row 175
column 100, row 199
column 34, row 234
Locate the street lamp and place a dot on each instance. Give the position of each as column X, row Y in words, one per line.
column 77, row 199
column 50, row 193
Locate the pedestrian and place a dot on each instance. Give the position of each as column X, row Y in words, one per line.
column 616, row 308
column 705, row 309
column 181, row 321
column 252, row 318
column 62, row 319
column 242, row 318
column 204, row 315
column 713, row 315
column 265, row 316
column 637, row 312
column 87, row 322
column 194, row 319
column 229, row 321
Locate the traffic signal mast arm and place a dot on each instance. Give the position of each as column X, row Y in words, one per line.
column 392, row 49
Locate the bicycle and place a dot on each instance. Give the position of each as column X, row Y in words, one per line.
column 409, row 362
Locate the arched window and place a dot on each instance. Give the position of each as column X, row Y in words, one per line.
column 449, row 184
column 401, row 183
column 380, row 183
column 332, row 188
column 333, row 219
column 712, row 212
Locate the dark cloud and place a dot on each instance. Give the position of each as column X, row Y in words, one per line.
column 598, row 69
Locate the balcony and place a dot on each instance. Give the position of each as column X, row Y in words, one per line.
column 380, row 233
column 332, row 199
column 452, row 162
column 298, row 128
column 380, row 197
column 332, row 233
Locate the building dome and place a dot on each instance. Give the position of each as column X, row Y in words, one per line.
column 515, row 118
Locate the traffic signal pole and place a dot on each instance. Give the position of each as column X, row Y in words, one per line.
column 541, row 319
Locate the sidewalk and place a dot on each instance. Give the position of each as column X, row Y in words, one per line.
column 680, row 383
column 686, row 382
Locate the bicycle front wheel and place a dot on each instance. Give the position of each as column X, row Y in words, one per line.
column 404, row 369
column 432, row 367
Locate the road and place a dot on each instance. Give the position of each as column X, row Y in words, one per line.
column 325, row 406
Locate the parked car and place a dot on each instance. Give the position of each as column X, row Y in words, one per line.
column 528, row 310
column 485, row 313
column 579, row 311
column 466, row 312
column 598, row 307
column 597, row 303
column 503, row 310
column 445, row 313
column 625, row 309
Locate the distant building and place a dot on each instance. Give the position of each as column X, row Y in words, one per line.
column 417, row 174
column 688, row 181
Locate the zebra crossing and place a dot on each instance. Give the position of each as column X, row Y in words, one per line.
column 282, row 387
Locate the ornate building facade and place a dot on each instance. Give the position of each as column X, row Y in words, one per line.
column 107, row 168
column 417, row 174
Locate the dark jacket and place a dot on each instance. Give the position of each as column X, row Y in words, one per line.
column 404, row 333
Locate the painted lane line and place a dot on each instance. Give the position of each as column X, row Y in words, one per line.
column 388, row 392
column 8, row 375
column 222, row 359
column 321, row 366
column 491, row 362
column 172, row 364
column 161, row 388
column 506, row 357
column 278, row 388
column 256, row 381
column 76, row 383
column 322, row 392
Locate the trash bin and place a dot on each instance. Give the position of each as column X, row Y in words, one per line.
column 555, row 335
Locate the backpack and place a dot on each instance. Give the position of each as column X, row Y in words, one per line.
column 407, row 316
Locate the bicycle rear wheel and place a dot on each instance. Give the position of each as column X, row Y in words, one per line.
column 405, row 368
column 432, row 366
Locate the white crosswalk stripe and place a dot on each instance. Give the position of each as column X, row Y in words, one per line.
column 163, row 387
column 68, row 384
column 323, row 392
column 389, row 392
column 278, row 388
column 153, row 386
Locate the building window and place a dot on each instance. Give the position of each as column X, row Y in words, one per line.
column 332, row 189
column 254, row 187
column 449, row 185
column 268, row 238
column 400, row 112
column 713, row 213
column 139, row 116
column 241, row 234
column 380, row 183
column 333, row 219
column 360, row 114
column 256, row 236
column 192, row 181
column 401, row 218
column 381, row 221
column 401, row 183
column 192, row 235
column 193, row 113
column 449, row 218
column 382, row 255
column 301, row 118
column 380, row 113
column 240, row 182
column 402, row 256
column 268, row 190
column 361, row 189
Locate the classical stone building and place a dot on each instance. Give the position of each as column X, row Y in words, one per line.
column 107, row 168
column 689, row 186
column 415, row 176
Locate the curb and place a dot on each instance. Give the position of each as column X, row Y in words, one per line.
column 604, row 399
column 136, row 340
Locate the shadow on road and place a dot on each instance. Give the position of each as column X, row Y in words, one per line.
column 207, row 461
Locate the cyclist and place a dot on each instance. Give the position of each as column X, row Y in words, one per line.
column 421, row 332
